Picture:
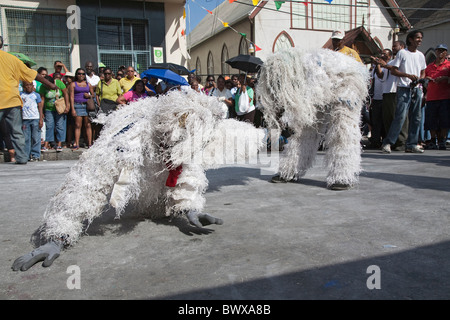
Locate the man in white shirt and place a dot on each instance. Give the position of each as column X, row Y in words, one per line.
column 409, row 66
column 390, row 94
column 376, row 115
column 91, row 77
column 223, row 94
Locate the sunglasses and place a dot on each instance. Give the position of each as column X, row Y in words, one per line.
column 106, row 72
column 81, row 74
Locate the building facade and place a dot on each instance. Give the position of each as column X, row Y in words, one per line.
column 299, row 24
column 136, row 33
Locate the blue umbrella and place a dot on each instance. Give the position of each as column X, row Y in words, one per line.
column 166, row 75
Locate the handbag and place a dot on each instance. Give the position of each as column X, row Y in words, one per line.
column 60, row 105
column 244, row 104
column 90, row 105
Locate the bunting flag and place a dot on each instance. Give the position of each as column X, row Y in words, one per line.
column 278, row 4
column 231, row 1
column 329, row 1
column 227, row 25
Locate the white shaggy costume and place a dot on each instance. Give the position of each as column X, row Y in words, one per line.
column 152, row 153
column 318, row 95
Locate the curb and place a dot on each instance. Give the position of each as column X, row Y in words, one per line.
column 50, row 155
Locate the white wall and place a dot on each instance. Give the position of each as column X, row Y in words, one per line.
column 269, row 24
column 176, row 44
column 434, row 36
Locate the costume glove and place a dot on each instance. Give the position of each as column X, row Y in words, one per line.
column 195, row 216
column 47, row 253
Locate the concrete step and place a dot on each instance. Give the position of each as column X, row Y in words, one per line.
column 50, row 155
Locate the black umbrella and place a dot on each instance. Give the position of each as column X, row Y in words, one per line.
column 178, row 69
column 245, row 63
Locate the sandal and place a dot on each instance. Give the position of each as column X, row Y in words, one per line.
column 75, row 147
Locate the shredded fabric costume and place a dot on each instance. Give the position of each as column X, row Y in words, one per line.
column 317, row 96
column 153, row 153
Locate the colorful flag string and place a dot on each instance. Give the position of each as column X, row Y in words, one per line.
column 227, row 25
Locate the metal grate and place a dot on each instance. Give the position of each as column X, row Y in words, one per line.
column 140, row 61
column 123, row 42
column 41, row 35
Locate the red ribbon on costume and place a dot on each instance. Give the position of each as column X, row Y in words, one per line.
column 173, row 176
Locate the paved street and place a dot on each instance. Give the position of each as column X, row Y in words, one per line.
column 278, row 241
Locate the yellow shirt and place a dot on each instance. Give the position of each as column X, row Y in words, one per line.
column 126, row 84
column 110, row 92
column 12, row 70
column 350, row 52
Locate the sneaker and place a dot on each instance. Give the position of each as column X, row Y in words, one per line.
column 59, row 149
column 386, row 148
column 399, row 148
column 339, row 186
column 35, row 159
column 415, row 149
column 431, row 146
column 279, row 179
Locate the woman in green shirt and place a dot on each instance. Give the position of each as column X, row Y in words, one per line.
column 249, row 114
column 109, row 90
column 55, row 123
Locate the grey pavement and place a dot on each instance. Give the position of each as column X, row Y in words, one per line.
column 387, row 238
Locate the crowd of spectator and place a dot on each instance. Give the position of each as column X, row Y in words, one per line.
column 410, row 100
column 408, row 109
column 46, row 128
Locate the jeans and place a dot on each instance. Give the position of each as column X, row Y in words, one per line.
column 424, row 135
column 13, row 118
column 409, row 103
column 376, row 119
column 55, row 121
column 32, row 134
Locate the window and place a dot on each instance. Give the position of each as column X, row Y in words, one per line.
column 362, row 14
column 225, row 66
column 299, row 14
column 340, row 14
column 198, row 67
column 243, row 46
column 331, row 16
column 123, row 40
column 210, row 63
column 43, row 36
column 283, row 41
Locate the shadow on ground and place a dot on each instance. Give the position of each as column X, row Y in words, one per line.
column 422, row 273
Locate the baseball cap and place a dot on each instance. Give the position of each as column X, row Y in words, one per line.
column 338, row 34
column 442, row 46
column 69, row 74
